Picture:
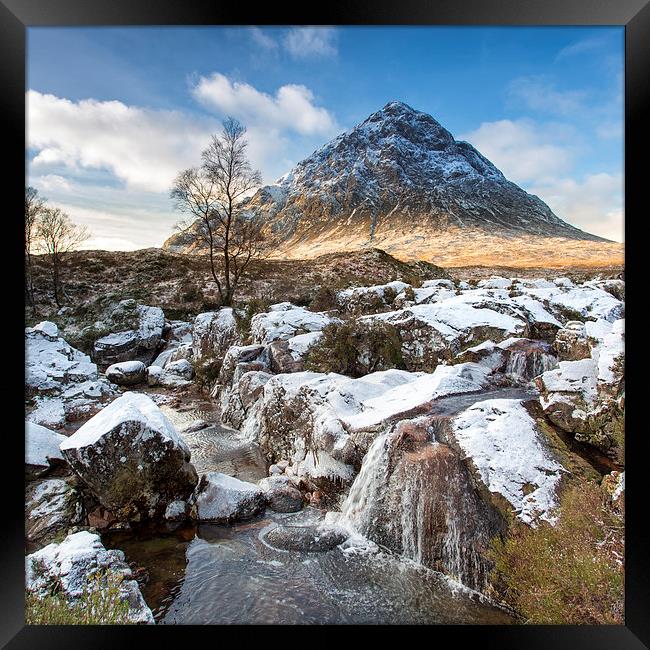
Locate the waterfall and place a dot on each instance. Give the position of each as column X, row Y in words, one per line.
column 526, row 363
column 415, row 497
column 367, row 487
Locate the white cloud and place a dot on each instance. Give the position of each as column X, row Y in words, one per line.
column 610, row 130
column 537, row 157
column 144, row 148
column 305, row 42
column 292, row 107
column 523, row 149
column 52, row 182
column 582, row 46
column 594, row 204
column 539, row 94
column 262, row 39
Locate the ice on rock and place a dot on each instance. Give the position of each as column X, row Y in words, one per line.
column 222, row 498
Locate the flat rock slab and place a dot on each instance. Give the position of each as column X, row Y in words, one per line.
column 221, row 499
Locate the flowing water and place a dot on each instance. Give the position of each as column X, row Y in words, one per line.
column 212, row 574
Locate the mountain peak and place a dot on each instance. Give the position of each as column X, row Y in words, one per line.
column 401, row 177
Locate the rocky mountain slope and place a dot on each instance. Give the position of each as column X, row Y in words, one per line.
column 401, row 182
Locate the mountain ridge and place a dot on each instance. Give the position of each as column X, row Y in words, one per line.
column 400, row 181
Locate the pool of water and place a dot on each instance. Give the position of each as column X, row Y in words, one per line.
column 211, row 574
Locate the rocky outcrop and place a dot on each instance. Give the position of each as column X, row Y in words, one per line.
column 52, row 507
column 137, row 343
column 366, row 300
column 219, row 498
column 213, row 333
column 284, row 321
column 61, row 383
column 131, row 458
column 582, row 397
column 438, row 489
column 69, row 569
column 431, row 333
column 323, row 422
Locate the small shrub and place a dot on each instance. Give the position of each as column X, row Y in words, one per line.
column 356, row 348
column 100, row 604
column 569, row 573
column 409, row 294
column 189, row 291
column 243, row 317
column 389, row 295
column 324, row 300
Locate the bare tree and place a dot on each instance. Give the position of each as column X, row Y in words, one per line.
column 56, row 235
column 212, row 194
column 34, row 207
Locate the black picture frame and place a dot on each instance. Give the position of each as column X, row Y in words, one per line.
column 17, row 15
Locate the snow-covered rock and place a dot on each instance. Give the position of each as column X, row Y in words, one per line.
column 503, row 442
column 69, row 568
column 41, row 450
column 61, row 382
column 131, row 458
column 365, row 300
column 178, row 337
column 222, row 498
column 284, row 321
column 52, row 506
column 312, row 417
column 136, row 344
column 571, row 342
column 213, row 333
column 581, row 397
column 126, row 373
column 433, row 332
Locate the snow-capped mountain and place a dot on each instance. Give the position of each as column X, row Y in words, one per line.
column 394, row 181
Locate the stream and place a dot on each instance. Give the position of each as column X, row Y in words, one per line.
column 218, row 574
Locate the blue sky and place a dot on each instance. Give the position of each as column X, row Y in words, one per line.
column 113, row 113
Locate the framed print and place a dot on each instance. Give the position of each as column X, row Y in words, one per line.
column 325, row 320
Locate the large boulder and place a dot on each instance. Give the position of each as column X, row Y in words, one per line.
column 126, row 373
column 61, row 383
column 322, row 421
column 438, row 489
column 131, row 458
column 139, row 342
column 52, row 507
column 70, row 569
column 213, row 333
column 220, row 498
column 284, row 321
column 42, row 451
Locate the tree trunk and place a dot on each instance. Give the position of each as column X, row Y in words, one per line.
column 55, row 279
